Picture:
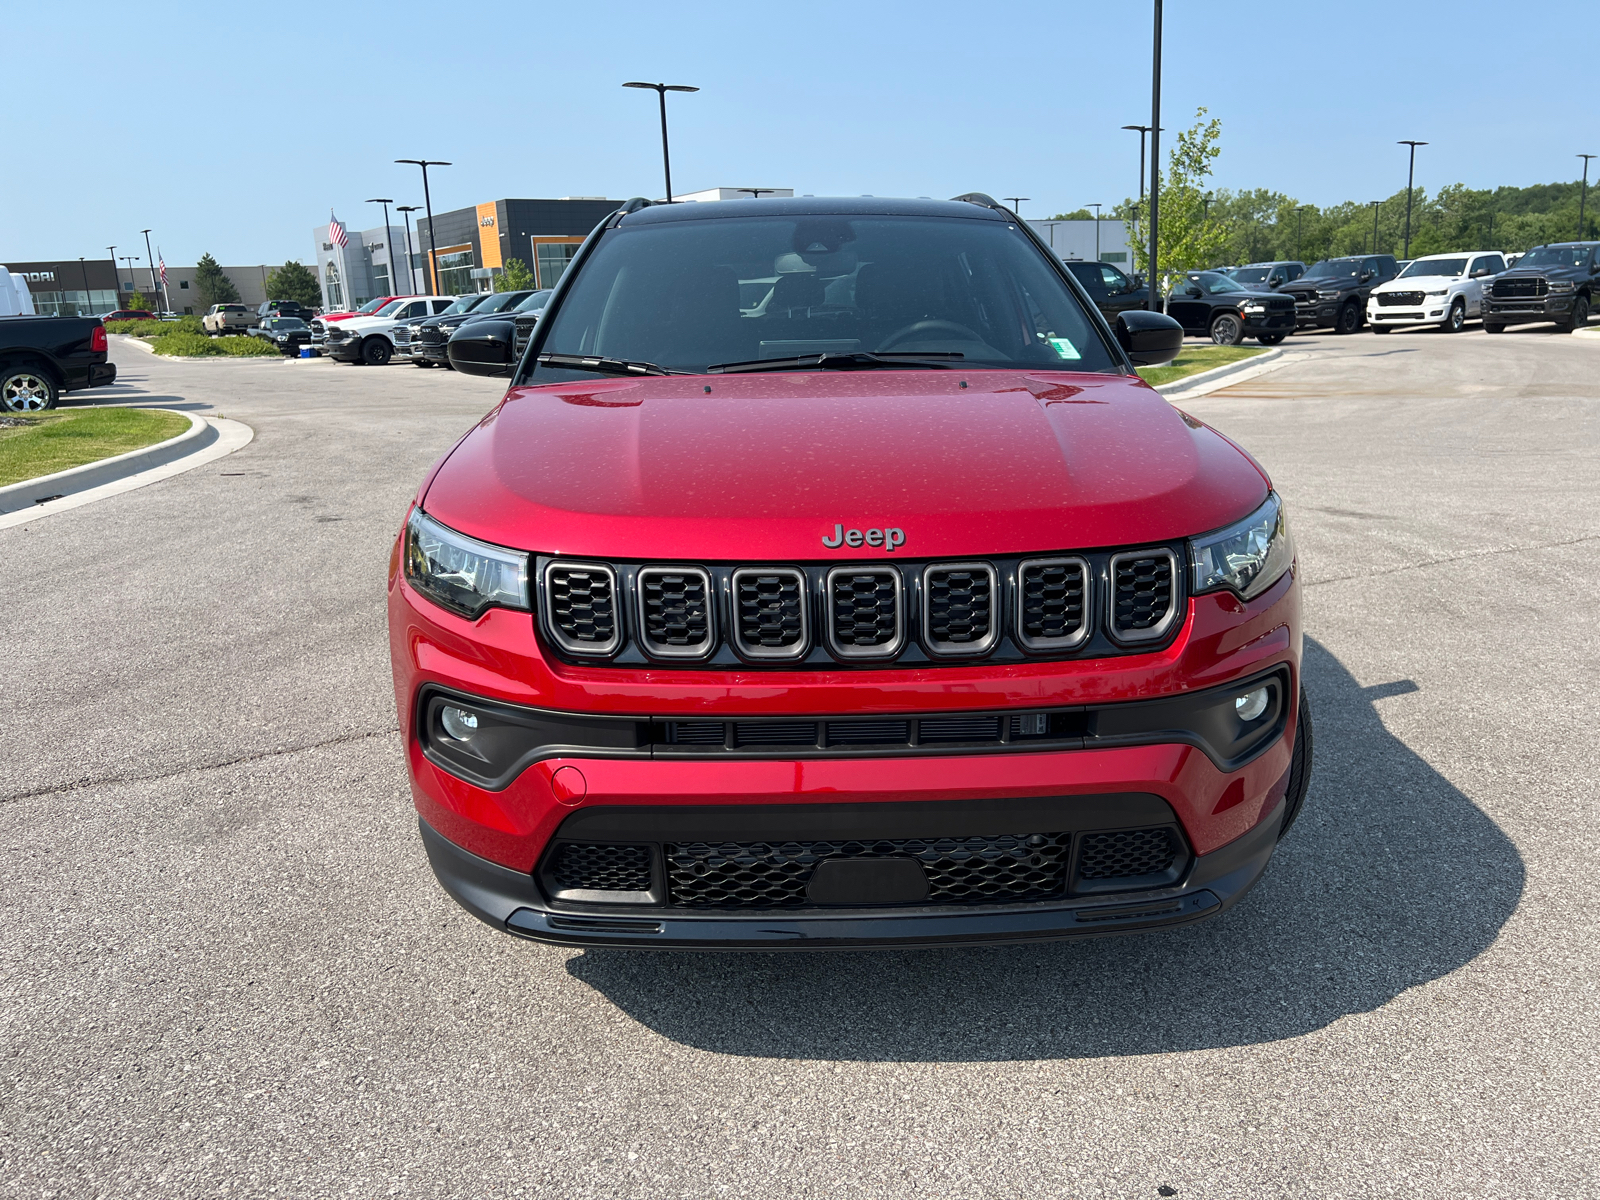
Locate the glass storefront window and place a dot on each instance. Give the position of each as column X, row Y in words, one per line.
column 380, row 279
column 333, row 286
column 553, row 258
column 74, row 303
column 455, row 273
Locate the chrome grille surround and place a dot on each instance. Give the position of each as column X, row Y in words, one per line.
column 596, row 589
column 1046, row 604
column 864, row 609
column 676, row 612
column 766, row 623
column 970, row 600
column 1131, row 583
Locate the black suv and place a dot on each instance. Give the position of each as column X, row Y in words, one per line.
column 1209, row 304
column 1111, row 290
column 284, row 308
column 428, row 337
column 1549, row 283
column 1333, row 293
column 1270, row 275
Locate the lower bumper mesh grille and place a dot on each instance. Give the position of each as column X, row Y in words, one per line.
column 602, row 868
column 1131, row 852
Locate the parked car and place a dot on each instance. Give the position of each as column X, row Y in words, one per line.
column 1269, row 275
column 1112, row 291
column 371, row 340
column 227, row 318
column 1437, row 289
column 43, row 357
column 129, row 314
column 284, row 308
column 428, row 338
column 1211, row 305
column 711, row 635
column 1556, row 283
column 1332, row 294
column 288, row 334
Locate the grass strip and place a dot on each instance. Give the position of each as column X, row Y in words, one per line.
column 1193, row 361
column 42, row 444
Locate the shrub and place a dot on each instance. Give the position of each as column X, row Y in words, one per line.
column 246, row 347
column 186, row 324
column 184, row 344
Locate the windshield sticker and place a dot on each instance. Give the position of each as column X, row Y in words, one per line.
column 1064, row 348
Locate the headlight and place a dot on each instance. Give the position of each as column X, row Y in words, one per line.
column 1248, row 557
column 1440, row 292
column 1562, row 285
column 1321, row 295
column 1255, row 308
column 460, row 573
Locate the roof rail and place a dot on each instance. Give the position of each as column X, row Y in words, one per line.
column 626, row 207
column 982, row 201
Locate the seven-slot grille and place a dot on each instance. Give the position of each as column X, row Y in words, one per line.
column 1052, row 603
column 580, row 600
column 865, row 612
column 675, row 614
column 958, row 608
column 770, row 612
column 1400, row 299
column 1142, row 586
column 1519, row 289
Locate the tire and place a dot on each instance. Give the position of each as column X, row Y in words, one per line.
column 1491, row 327
column 1348, row 320
column 420, row 362
column 1579, row 317
column 26, row 389
column 1457, row 320
column 1299, row 767
column 376, row 351
column 1381, row 328
column 1227, row 330
column 1270, row 339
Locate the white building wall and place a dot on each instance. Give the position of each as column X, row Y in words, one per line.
column 1075, row 240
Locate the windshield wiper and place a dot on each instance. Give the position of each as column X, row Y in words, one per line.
column 858, row 361
column 604, row 366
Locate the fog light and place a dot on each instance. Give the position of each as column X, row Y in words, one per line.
column 1249, row 706
column 461, row 724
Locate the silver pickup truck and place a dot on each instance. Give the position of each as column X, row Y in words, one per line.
column 228, row 318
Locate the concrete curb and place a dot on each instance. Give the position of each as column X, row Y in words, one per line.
column 128, row 339
column 206, row 440
column 1592, row 332
column 1192, row 383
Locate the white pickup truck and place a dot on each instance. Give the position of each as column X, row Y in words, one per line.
column 228, row 318
column 371, row 340
column 1436, row 289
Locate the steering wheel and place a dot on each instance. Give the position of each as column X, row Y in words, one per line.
column 906, row 333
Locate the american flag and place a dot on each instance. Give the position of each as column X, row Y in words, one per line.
column 163, row 270
column 336, row 233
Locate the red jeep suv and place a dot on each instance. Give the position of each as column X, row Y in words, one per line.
column 828, row 578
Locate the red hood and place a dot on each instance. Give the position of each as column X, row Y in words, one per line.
column 762, row 466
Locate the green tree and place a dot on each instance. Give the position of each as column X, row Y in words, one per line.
column 1189, row 237
column 211, row 285
column 138, row 301
column 515, row 278
column 293, row 281
column 1077, row 214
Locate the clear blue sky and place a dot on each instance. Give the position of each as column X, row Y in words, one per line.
column 261, row 117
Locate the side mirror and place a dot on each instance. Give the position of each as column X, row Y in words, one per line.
column 1150, row 338
column 483, row 348
column 1367, row 276
column 1193, row 290
column 1481, row 272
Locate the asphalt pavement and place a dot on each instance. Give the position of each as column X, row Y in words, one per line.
column 226, row 968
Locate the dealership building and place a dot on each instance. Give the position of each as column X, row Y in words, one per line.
column 77, row 287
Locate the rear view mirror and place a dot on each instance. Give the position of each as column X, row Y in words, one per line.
column 482, row 348
column 1150, row 338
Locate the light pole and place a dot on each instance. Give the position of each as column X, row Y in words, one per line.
column 1375, row 204
column 1155, row 154
column 388, row 244
column 1411, row 174
column 427, row 200
column 1583, row 195
column 86, row 301
column 1142, row 130
column 1299, row 226
column 155, row 290
column 117, row 273
column 1016, row 203
column 411, row 278
column 1096, row 208
column 130, row 259
column 757, row 193
column 661, row 90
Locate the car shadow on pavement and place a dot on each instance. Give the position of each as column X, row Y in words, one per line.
column 1391, row 878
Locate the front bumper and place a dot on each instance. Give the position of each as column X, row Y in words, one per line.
column 346, row 350
column 1324, row 314
column 1433, row 312
column 1271, row 322
column 1556, row 306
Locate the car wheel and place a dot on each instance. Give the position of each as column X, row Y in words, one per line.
column 1580, row 315
column 1380, row 328
column 1299, row 767
column 1349, row 319
column 375, row 351
column 26, row 390
column 1227, row 330
column 1491, row 327
column 1457, row 320
column 1270, row 339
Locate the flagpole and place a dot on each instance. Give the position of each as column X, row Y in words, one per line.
column 166, row 295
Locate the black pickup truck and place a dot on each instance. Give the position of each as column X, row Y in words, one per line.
column 43, row 357
column 1334, row 291
column 1558, row 283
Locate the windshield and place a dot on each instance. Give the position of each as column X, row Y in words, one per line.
column 465, row 304
column 388, row 308
column 287, row 323
column 688, row 294
column 1435, row 266
column 1335, row 268
column 1215, row 282
column 534, row 302
column 1252, row 274
column 499, row 301
column 1555, row 256
column 372, row 306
